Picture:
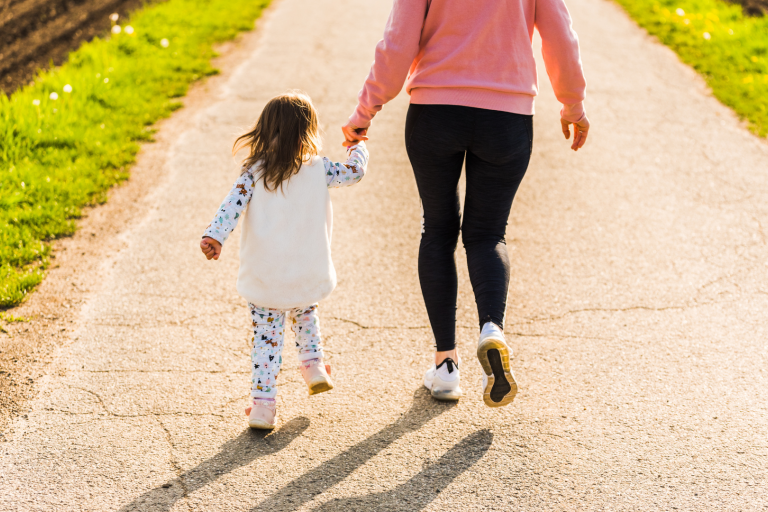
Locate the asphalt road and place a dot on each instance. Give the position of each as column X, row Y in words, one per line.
column 637, row 312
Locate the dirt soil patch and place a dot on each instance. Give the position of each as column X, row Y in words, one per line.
column 753, row 7
column 34, row 33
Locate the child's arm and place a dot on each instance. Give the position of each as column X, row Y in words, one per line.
column 351, row 171
column 226, row 218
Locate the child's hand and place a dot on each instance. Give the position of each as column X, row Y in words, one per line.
column 210, row 247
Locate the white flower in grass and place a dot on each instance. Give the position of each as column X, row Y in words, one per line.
column 128, row 30
column 36, row 102
column 707, row 36
column 54, row 96
column 116, row 29
column 680, row 12
column 730, row 31
column 106, row 80
column 164, row 43
column 67, row 88
column 114, row 17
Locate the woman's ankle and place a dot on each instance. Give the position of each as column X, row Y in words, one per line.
column 441, row 356
column 491, row 328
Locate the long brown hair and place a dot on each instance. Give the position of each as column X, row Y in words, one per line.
column 286, row 135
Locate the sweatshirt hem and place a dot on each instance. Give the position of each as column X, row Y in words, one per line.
column 488, row 99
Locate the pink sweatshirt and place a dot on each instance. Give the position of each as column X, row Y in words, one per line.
column 475, row 53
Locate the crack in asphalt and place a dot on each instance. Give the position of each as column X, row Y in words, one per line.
column 144, row 415
column 226, row 372
column 617, row 310
column 377, row 327
column 174, row 464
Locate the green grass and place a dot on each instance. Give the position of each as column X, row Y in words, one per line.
column 60, row 151
column 728, row 48
column 6, row 317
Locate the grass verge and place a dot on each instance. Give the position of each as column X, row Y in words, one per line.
column 67, row 138
column 727, row 47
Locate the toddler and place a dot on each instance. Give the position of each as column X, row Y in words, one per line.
column 285, row 250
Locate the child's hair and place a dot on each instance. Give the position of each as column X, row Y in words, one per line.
column 286, row 135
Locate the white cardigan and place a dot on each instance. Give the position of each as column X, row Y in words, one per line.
column 285, row 253
column 285, row 244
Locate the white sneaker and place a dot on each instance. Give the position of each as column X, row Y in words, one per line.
column 499, row 386
column 444, row 380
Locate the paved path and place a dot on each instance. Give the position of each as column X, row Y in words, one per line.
column 637, row 314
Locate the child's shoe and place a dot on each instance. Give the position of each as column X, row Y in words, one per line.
column 317, row 376
column 499, row 386
column 262, row 414
column 444, row 380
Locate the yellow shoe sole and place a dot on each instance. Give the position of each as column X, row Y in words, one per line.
column 260, row 424
column 320, row 385
column 501, row 387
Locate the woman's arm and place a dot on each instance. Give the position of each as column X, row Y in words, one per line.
column 394, row 56
column 350, row 172
column 560, row 49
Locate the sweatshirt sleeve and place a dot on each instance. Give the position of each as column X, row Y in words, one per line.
column 231, row 209
column 560, row 49
column 393, row 59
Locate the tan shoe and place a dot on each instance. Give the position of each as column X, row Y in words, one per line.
column 262, row 414
column 317, row 376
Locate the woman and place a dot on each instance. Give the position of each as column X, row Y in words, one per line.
column 470, row 72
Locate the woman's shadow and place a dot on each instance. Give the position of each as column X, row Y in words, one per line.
column 321, row 478
column 425, row 486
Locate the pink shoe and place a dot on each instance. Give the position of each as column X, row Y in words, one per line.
column 317, row 376
column 262, row 414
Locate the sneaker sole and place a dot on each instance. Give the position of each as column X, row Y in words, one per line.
column 320, row 385
column 260, row 424
column 501, row 387
column 448, row 395
column 451, row 395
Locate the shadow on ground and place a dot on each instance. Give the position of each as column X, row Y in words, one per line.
column 422, row 488
column 241, row 451
column 253, row 444
column 316, row 481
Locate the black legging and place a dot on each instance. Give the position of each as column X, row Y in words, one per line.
column 497, row 146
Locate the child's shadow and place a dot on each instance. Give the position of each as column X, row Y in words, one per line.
column 321, row 478
column 422, row 488
column 241, row 451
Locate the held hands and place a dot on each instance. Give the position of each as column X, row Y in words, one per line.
column 580, row 131
column 353, row 134
column 210, row 247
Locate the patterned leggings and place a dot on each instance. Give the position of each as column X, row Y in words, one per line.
column 268, row 331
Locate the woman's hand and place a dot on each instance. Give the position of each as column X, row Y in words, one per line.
column 353, row 134
column 580, row 131
column 210, row 247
